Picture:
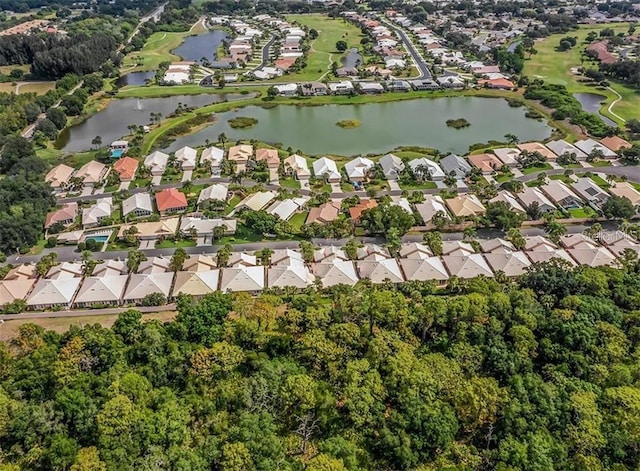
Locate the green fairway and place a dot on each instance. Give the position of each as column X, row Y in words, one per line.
column 555, row 67
column 157, row 49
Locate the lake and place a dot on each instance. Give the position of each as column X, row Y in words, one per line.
column 135, row 78
column 592, row 102
column 204, row 45
column 112, row 122
column 384, row 126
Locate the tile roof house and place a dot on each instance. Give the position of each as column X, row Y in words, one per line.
column 456, row 165
column 199, row 263
column 240, row 155
column 626, row 190
column 426, row 168
column 206, row 227
column 138, row 204
column 539, row 148
column 285, row 209
column 12, row 290
column 540, row 249
column 242, row 278
column 22, row 272
column 373, row 252
column 256, row 201
column 594, row 256
column 196, row 283
column 589, row 145
column 561, row 147
column 456, row 247
column 496, row 245
column 65, row 270
column 329, row 253
column 326, row 168
column 217, row 191
column 295, row 275
column 270, row 156
column 615, row 143
column 356, row 211
column 431, row 205
column 618, row 247
column 508, row 198
column 101, row 290
column 92, row 173
column 487, row 163
column 415, row 250
column 110, row 268
column 152, row 230
column 531, row 195
column 560, row 193
column 156, row 162
column 588, row 190
column 358, row 169
column 511, row 264
column 155, row 265
column 212, row 156
column 65, row 215
column 94, row 214
column 141, row 285
column 186, row 156
column 468, row 266
column 171, row 201
column 241, row 259
column 58, row 177
column 507, row 155
column 49, row 293
column 297, row 166
column 424, row 269
column 286, row 257
column 324, row 213
column 337, row 272
column 392, row 166
column 465, row 205
column 126, row 167
column 380, row 271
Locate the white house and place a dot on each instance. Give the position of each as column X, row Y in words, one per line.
column 287, row 89
column 93, row 215
column 186, row 156
column 212, row 156
column 156, row 162
column 139, row 204
column 423, row 164
column 358, row 169
column 324, row 167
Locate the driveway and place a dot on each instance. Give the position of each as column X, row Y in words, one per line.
column 124, row 186
column 203, row 241
column 87, row 191
column 393, row 185
column 335, row 188
column 156, row 180
column 187, row 175
column 147, row 244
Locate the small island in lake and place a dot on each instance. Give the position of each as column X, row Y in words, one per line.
column 348, row 123
column 458, row 123
column 242, row 122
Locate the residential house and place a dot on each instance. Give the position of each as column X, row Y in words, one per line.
column 285, row 209
column 561, row 147
column 92, row 173
column 205, row 228
column 468, row 266
column 586, row 252
column 381, row 271
column 155, row 265
column 196, row 283
column 508, row 198
column 402, row 203
column 465, row 205
column 329, row 253
column 345, row 72
column 531, row 195
column 186, row 156
column 615, row 143
column 256, row 201
column 457, row 247
column 271, row 158
column 100, row 291
column 626, row 190
column 297, row 166
column 156, row 162
column 373, row 252
column 53, row 293
column 532, row 147
column 152, row 230
column 242, row 278
column 58, row 177
column 314, row 89
column 336, row 272
column 589, row 145
column 540, row 249
column 415, row 250
column 426, row 169
column 118, row 149
column 496, row 245
column 326, row 168
column 341, row 88
column 65, row 270
column 497, row 83
column 110, row 268
column 486, row 163
column 213, row 156
column 22, row 272
column 15, row 289
column 242, row 259
column 358, row 169
column 171, row 201
column 94, row 214
column 371, row 88
column 507, row 155
column 138, row 204
column 424, row 269
column 142, row 285
column 392, row 166
column 240, row 155
column 356, row 211
column 619, row 246
column 512, row 264
column 431, row 205
column 451, row 81
column 286, row 257
column 287, row 89
column 324, row 213
column 561, row 194
column 295, row 275
column 64, row 215
column 399, row 86
column 456, row 166
column 126, row 167
column 589, row 191
column 215, row 192
column 426, row 85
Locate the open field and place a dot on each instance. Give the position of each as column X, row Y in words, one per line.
column 9, row 329
column 157, row 49
column 323, row 49
column 27, row 87
column 555, row 67
column 5, row 69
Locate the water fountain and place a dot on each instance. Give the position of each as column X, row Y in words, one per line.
column 138, row 105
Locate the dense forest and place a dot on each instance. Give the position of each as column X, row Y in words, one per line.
column 537, row 374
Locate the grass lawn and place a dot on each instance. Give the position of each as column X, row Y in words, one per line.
column 542, row 168
column 232, row 203
column 323, row 49
column 298, row 219
column 504, row 178
column 157, row 49
column 290, row 183
column 562, row 178
column 601, row 163
column 409, row 154
column 243, row 235
column 6, row 69
column 170, row 244
column 38, row 248
column 601, row 182
column 420, row 186
column 581, row 212
column 635, row 185
column 39, row 88
column 555, row 67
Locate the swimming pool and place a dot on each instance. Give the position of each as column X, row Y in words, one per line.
column 98, row 238
column 117, row 153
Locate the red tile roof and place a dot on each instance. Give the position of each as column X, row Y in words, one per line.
column 126, row 168
column 285, row 63
column 356, row 211
column 170, row 199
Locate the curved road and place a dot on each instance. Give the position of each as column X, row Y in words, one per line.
column 419, row 61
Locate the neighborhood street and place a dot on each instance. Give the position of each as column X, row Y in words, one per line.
column 421, row 64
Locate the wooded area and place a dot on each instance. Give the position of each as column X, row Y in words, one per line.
column 538, row 374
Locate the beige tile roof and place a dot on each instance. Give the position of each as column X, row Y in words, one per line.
column 424, row 269
column 196, row 283
column 468, row 266
column 242, row 278
column 465, row 205
column 240, row 153
column 92, row 172
column 141, row 285
column 59, row 175
column 336, row 273
column 57, row 292
column 511, row 264
column 11, row 290
column 101, row 289
column 381, row 270
column 199, row 263
column 626, row 190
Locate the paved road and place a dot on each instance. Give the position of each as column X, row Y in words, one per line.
column 155, row 15
column 512, row 47
column 421, row 64
column 266, row 50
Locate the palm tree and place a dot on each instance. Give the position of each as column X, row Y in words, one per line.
column 511, row 139
column 134, row 259
column 469, row 233
column 96, row 142
column 265, row 256
column 187, row 186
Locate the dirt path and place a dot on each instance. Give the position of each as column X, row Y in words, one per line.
column 613, row 104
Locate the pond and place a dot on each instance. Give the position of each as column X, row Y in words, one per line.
column 112, row 122
column 205, row 45
column 134, row 78
column 384, row 126
column 352, row 59
column 592, row 102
